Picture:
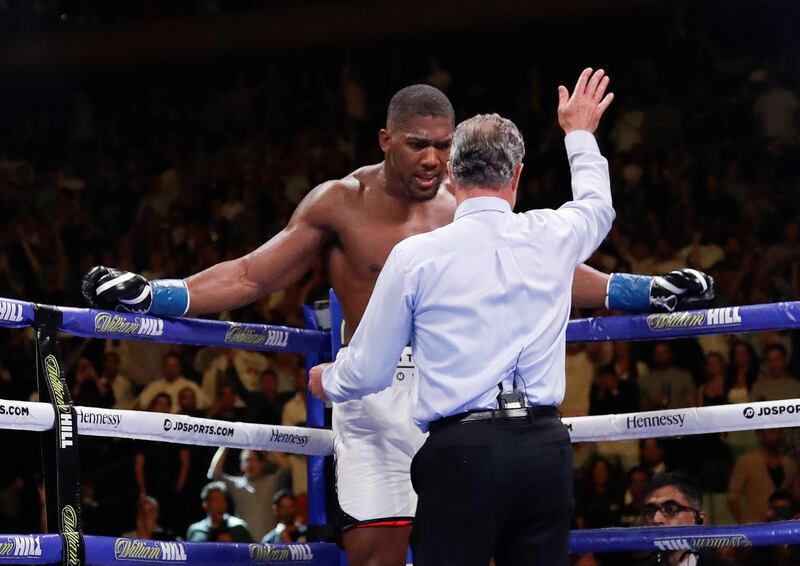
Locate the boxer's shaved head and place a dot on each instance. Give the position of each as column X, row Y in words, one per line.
column 418, row 100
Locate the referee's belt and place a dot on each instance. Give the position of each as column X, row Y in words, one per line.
column 492, row 415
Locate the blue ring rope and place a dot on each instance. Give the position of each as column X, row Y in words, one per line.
column 102, row 551
column 90, row 323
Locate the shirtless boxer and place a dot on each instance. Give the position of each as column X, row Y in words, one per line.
column 353, row 223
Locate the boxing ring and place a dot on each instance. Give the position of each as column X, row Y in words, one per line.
column 62, row 424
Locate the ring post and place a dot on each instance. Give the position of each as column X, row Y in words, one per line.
column 315, row 417
column 60, row 457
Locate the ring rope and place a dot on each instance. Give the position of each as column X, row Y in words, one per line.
column 684, row 324
column 45, row 549
column 189, row 430
column 182, row 429
column 93, row 323
column 168, row 427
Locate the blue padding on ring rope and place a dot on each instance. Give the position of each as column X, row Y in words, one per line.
column 684, row 538
column 89, row 323
column 101, row 551
column 773, row 316
column 92, row 323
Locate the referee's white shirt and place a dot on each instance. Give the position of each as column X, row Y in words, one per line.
column 482, row 301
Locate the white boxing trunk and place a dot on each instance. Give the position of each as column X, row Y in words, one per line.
column 375, row 440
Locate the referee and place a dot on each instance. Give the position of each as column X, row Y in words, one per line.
column 484, row 303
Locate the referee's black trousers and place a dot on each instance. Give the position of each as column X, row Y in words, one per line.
column 501, row 489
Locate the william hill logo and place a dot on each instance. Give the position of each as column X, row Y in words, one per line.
column 11, row 312
column 106, row 323
column 728, row 316
column 246, row 335
column 713, row 541
column 20, row 546
column 157, row 551
column 53, row 371
column 280, row 553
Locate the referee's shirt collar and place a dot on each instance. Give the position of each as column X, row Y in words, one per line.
column 482, row 204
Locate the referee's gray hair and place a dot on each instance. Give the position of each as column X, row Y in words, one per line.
column 485, row 151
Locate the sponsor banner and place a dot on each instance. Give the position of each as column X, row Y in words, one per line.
column 664, row 538
column 24, row 415
column 181, row 429
column 269, row 553
column 311, row 441
column 111, row 550
column 749, row 318
column 15, row 314
column 699, row 542
column 696, row 420
column 30, row 549
column 91, row 323
column 143, row 551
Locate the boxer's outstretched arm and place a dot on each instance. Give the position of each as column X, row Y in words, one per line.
column 274, row 266
column 589, row 288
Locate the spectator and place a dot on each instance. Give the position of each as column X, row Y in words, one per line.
column 289, row 528
column 294, row 411
column 218, row 526
column 712, row 390
column 674, row 500
column 775, row 108
column 598, row 504
column 120, row 385
column 171, row 383
column 775, row 383
column 627, row 366
column 742, row 372
column 782, row 507
column 187, row 403
column 294, row 414
column 224, row 405
column 147, row 527
column 757, row 474
column 666, row 386
column 610, row 395
column 582, row 362
column 261, row 479
column 88, row 389
column 634, row 498
column 238, row 364
column 265, row 404
column 651, row 456
column 162, row 469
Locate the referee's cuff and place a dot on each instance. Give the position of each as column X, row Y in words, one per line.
column 332, row 390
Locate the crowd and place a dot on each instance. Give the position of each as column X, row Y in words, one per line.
column 167, row 177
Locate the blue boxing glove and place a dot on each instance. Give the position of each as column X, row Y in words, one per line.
column 112, row 289
column 678, row 290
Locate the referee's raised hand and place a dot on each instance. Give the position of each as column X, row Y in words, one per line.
column 583, row 109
